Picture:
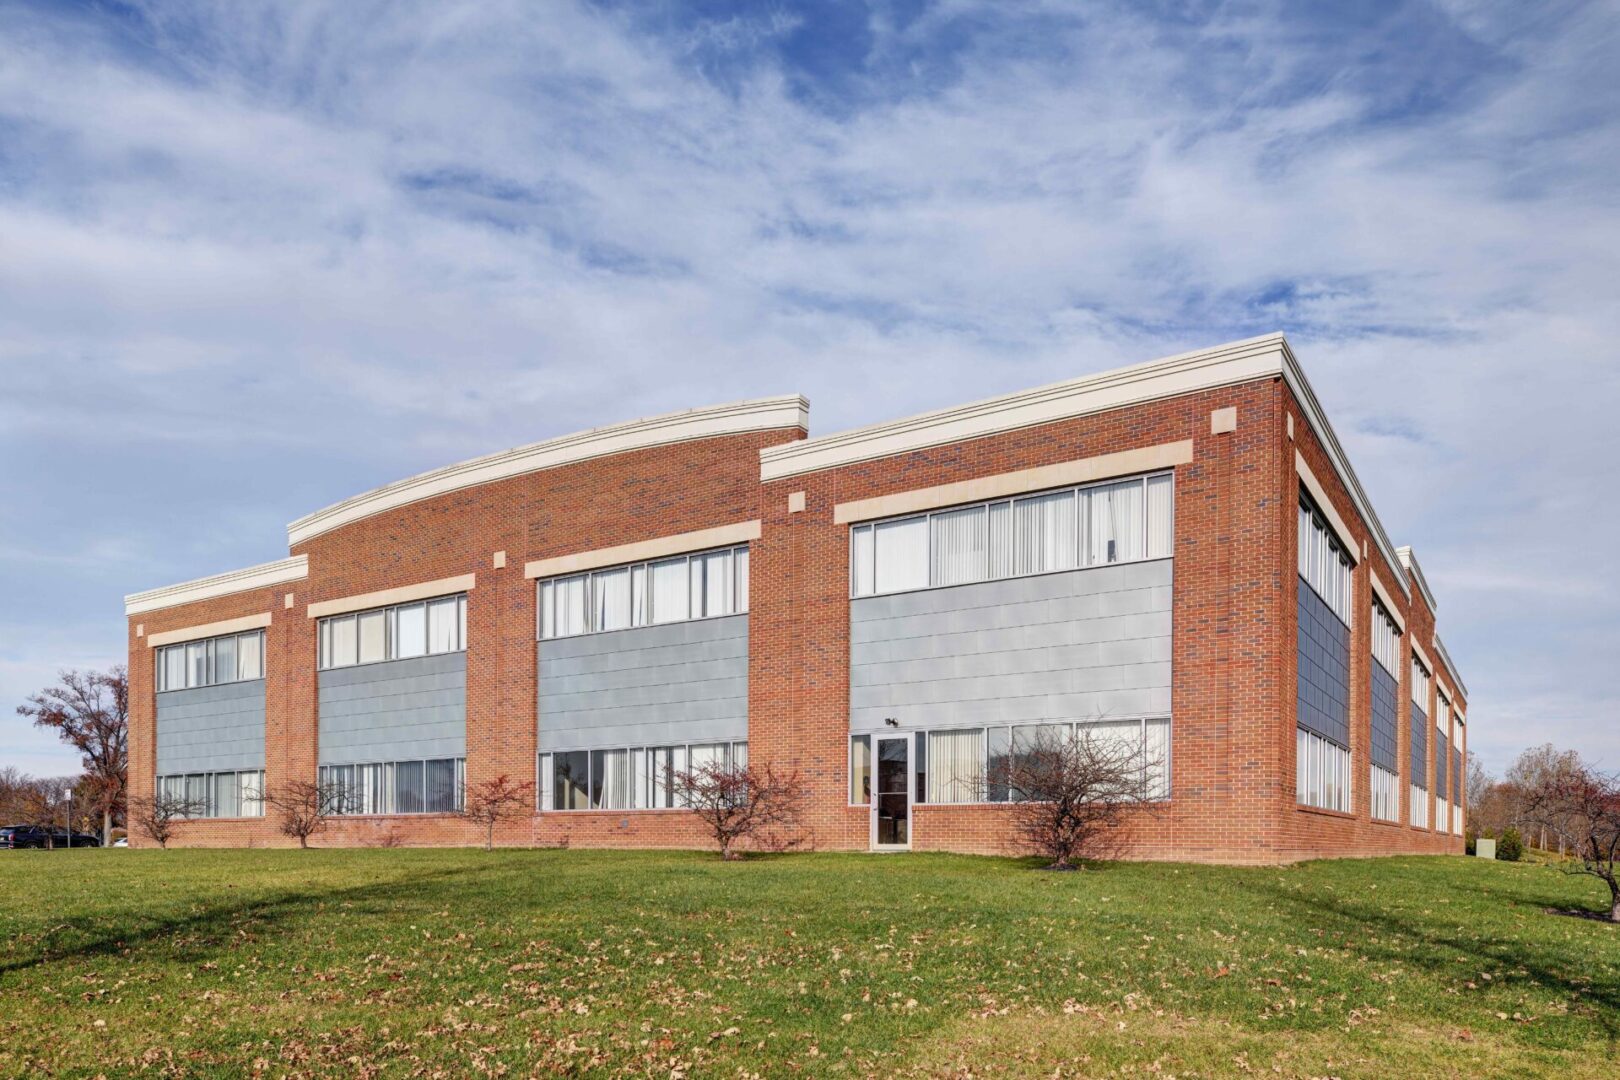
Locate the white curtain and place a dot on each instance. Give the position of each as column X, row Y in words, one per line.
column 1386, row 641
column 1044, row 533
column 611, row 768
column 197, row 664
column 862, row 582
column 174, row 668
column 1161, row 516
column 900, row 555
column 410, row 630
column 1157, row 734
column 250, row 656
column 1001, row 542
column 224, row 659
column 343, row 641
column 960, row 546
column 670, row 588
column 373, row 637
column 742, row 579
column 712, row 585
column 442, row 626
column 956, row 766
column 638, row 596
column 610, row 592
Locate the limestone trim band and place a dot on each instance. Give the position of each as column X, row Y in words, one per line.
column 425, row 590
column 207, row 630
column 741, row 532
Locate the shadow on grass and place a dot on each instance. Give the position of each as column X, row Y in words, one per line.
column 1434, row 956
column 222, row 920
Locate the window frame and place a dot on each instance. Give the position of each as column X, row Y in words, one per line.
column 160, row 679
column 862, row 537
column 544, row 767
column 389, row 785
column 209, row 780
column 325, row 633
column 640, row 581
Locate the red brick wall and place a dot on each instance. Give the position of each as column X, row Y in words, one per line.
column 1233, row 613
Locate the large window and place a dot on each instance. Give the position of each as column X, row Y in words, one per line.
column 1322, row 738
column 1126, row 521
column 1418, row 765
column 217, row 794
column 226, row 659
column 1385, row 749
column 1321, row 772
column 1323, row 562
column 970, row 765
column 702, row 586
column 630, row 777
column 395, row 633
column 433, row 786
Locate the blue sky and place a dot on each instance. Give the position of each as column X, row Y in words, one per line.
column 257, row 258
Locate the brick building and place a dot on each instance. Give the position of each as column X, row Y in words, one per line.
column 1177, row 553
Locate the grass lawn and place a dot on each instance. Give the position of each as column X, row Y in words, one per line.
column 465, row 963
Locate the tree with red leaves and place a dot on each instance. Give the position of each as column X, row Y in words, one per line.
column 90, row 711
column 496, row 800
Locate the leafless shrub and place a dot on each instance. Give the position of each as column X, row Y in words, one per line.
column 496, row 800
column 302, row 808
column 158, row 816
column 1071, row 793
column 743, row 804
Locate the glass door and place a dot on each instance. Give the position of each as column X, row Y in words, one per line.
column 891, row 802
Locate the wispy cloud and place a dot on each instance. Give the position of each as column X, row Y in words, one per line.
column 253, row 260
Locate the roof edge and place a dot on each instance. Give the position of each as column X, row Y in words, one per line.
column 295, row 568
column 759, row 414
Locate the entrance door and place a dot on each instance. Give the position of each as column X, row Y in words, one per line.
column 891, row 802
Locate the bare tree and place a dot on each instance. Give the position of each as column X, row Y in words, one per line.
column 158, row 816
column 302, row 808
column 1070, row 793
column 1537, row 770
column 1581, row 807
column 90, row 711
column 743, row 804
column 494, row 801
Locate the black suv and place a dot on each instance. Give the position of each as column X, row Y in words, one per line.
column 32, row 836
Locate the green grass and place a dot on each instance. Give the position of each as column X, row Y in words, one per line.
column 466, row 963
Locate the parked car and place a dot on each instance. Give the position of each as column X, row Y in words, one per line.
column 32, row 836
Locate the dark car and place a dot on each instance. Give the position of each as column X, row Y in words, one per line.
column 32, row 836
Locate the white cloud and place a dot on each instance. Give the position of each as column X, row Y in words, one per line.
column 326, row 247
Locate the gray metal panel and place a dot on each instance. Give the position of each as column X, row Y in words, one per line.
column 211, row 728
column 1418, row 751
column 652, row 685
column 1323, row 671
column 1442, row 765
column 395, row 711
column 1385, row 693
column 1072, row 645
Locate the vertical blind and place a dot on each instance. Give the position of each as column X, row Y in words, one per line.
column 700, row 586
column 1323, row 562
column 1125, row 521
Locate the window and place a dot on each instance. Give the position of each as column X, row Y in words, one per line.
column 860, row 770
column 967, row 765
column 702, row 586
column 218, row 794
column 434, row 786
column 626, row 778
column 1125, row 521
column 1323, row 562
column 1384, row 750
column 399, row 632
column 1321, row 772
column 226, row 659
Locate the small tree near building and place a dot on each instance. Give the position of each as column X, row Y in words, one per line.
column 302, row 808
column 158, row 817
column 494, row 801
column 1581, row 807
column 1070, row 793
column 742, row 804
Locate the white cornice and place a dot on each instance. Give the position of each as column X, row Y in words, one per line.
column 1241, row 361
column 1456, row 676
column 759, row 415
column 1205, row 369
column 234, row 581
column 1408, row 560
